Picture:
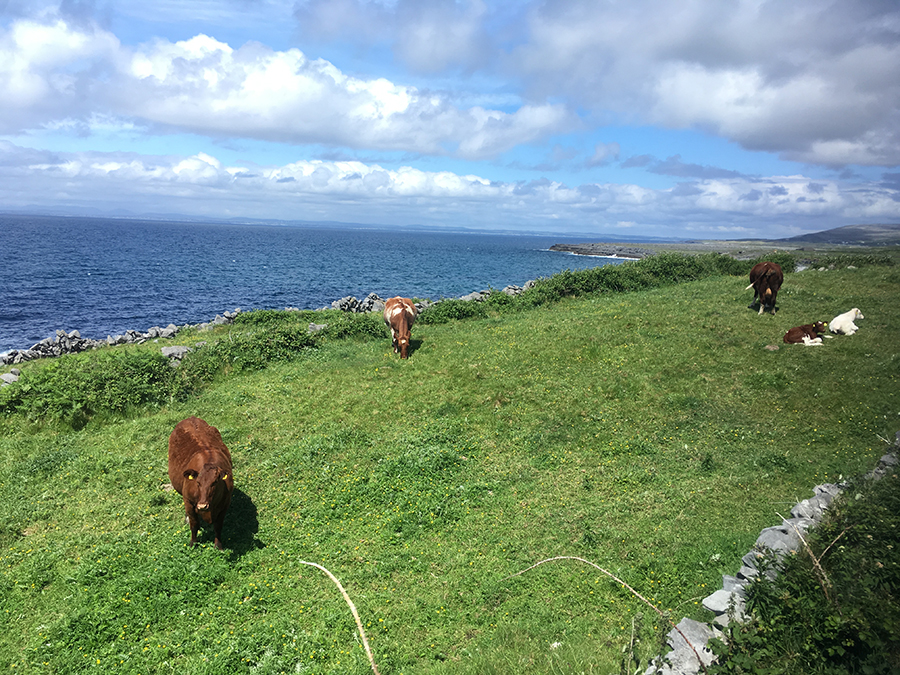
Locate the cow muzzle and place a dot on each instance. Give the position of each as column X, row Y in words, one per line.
column 203, row 507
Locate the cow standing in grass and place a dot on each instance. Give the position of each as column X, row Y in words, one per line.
column 201, row 472
column 765, row 280
column 399, row 315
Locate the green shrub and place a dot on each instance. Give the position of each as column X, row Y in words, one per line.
column 264, row 317
column 499, row 302
column 275, row 317
column 787, row 261
column 654, row 271
column 855, row 260
column 727, row 265
column 452, row 309
column 837, row 613
column 243, row 351
column 341, row 325
column 75, row 388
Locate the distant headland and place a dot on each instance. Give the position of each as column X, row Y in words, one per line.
column 604, row 250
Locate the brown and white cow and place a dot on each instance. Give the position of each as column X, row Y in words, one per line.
column 201, row 472
column 399, row 315
column 809, row 334
column 765, row 280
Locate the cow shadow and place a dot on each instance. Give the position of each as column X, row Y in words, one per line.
column 755, row 307
column 413, row 346
column 241, row 525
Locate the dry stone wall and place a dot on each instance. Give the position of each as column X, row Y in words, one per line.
column 72, row 342
column 727, row 603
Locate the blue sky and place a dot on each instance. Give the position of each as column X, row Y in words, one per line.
column 720, row 119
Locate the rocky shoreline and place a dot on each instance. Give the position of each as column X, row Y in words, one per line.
column 604, row 250
column 72, row 343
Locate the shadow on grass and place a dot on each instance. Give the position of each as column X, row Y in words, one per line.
column 414, row 345
column 241, row 525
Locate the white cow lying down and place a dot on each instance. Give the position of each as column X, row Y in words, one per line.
column 843, row 323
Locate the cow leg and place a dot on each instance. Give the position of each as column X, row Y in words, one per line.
column 193, row 522
column 218, row 529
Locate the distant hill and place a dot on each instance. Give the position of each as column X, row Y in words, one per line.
column 862, row 235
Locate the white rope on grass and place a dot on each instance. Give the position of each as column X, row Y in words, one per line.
column 362, row 633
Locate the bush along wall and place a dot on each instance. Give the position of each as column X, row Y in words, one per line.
column 817, row 594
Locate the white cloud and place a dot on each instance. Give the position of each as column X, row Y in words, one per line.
column 354, row 191
column 207, row 87
column 42, row 67
column 604, row 153
column 814, row 81
column 428, row 36
column 469, row 81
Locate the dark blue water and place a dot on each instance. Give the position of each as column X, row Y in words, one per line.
column 103, row 277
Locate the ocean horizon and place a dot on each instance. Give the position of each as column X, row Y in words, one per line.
column 104, row 276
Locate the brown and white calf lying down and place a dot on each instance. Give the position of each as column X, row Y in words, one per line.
column 809, row 334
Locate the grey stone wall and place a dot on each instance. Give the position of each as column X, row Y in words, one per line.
column 728, row 602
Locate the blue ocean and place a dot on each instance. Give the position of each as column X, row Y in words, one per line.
column 105, row 276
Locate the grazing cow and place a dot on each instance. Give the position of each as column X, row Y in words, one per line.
column 765, row 280
column 843, row 323
column 200, row 471
column 399, row 315
column 808, row 334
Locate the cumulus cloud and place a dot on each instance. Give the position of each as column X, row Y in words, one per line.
column 207, row 87
column 604, row 153
column 428, row 36
column 813, row 81
column 674, row 166
column 44, row 69
column 202, row 184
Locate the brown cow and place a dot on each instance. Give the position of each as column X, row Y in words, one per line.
column 765, row 280
column 200, row 470
column 399, row 315
column 809, row 334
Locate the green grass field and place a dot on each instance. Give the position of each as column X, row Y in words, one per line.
column 650, row 432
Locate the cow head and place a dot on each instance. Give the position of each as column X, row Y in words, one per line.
column 210, row 484
column 403, row 343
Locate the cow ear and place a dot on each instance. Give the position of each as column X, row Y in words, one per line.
column 190, row 474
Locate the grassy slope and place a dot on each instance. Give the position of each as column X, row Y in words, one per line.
column 649, row 432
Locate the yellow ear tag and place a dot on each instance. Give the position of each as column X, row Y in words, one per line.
column 226, row 477
column 190, row 478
